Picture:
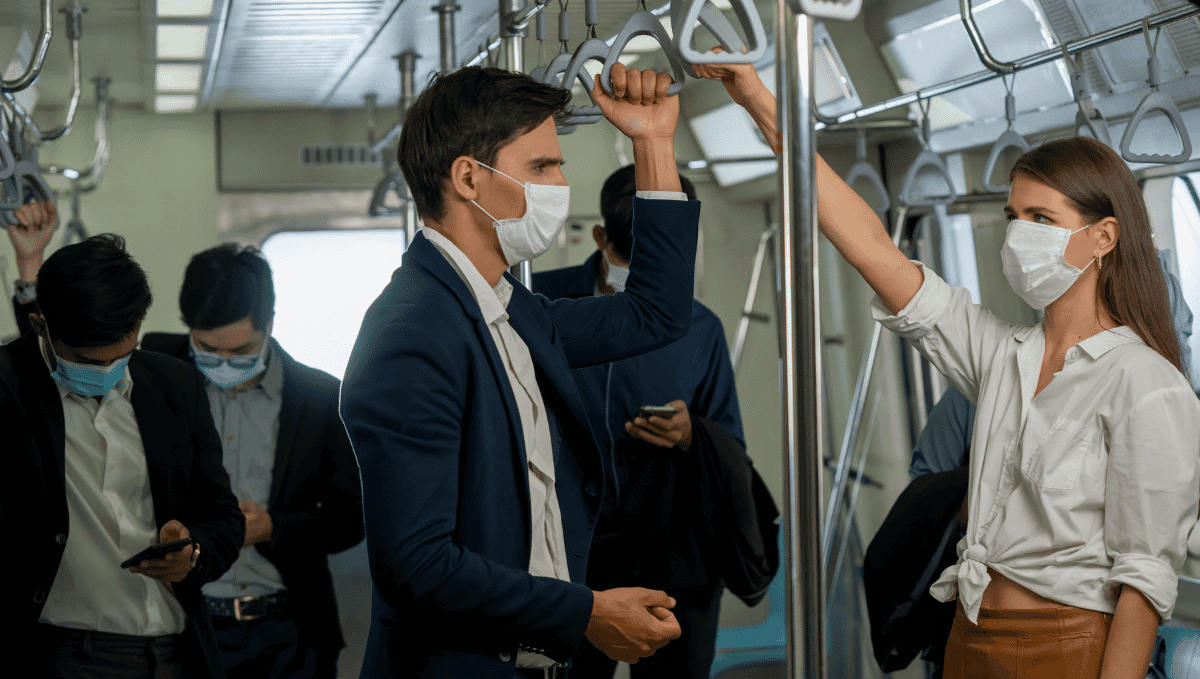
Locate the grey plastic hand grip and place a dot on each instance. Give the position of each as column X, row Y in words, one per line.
column 683, row 23
column 1156, row 100
column 593, row 48
column 7, row 161
column 644, row 23
column 1097, row 126
column 932, row 161
column 1010, row 139
column 863, row 170
column 378, row 206
column 839, row 10
column 552, row 74
column 26, row 185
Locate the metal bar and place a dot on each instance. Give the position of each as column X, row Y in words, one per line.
column 1044, row 57
column 858, row 404
column 101, row 154
column 993, row 64
column 446, row 12
column 517, row 20
column 408, row 69
column 514, row 25
column 760, row 257
column 39, row 54
column 74, row 21
column 801, row 335
column 21, row 113
column 1168, row 170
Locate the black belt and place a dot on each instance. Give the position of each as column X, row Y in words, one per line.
column 86, row 639
column 248, row 607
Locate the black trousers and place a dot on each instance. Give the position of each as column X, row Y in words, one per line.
column 83, row 654
column 689, row 657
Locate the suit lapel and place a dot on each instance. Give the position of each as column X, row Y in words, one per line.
column 293, row 413
column 154, row 420
column 533, row 324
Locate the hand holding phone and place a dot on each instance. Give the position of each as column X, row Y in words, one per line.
column 157, row 552
column 671, row 426
column 177, row 552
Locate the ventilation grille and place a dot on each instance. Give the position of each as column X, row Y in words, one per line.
column 1066, row 28
column 1185, row 34
column 344, row 155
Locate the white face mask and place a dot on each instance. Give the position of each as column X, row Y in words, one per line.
column 617, row 275
column 1034, row 258
column 524, row 238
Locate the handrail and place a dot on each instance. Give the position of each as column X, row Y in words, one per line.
column 967, row 12
column 926, row 160
column 1009, row 139
column 101, row 155
column 39, row 54
column 858, row 402
column 748, row 313
column 74, row 228
column 644, row 23
column 863, row 169
column 1037, row 59
column 517, row 20
column 683, row 23
column 1155, row 101
column 74, row 20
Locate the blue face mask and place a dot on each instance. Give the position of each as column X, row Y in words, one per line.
column 89, row 380
column 226, row 373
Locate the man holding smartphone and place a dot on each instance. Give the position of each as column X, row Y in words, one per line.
column 110, row 451
column 667, row 415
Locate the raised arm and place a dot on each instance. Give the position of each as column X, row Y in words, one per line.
column 844, row 217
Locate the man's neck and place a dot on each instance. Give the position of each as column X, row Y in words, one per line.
column 484, row 252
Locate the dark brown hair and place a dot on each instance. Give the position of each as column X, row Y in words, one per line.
column 471, row 112
column 1099, row 184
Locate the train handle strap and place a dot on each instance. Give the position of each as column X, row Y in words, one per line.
column 1088, row 117
column 1155, row 101
column 838, row 10
column 1009, row 139
column 684, row 16
column 25, row 186
column 644, row 23
column 7, row 161
column 863, row 170
column 379, row 207
column 927, row 160
column 592, row 48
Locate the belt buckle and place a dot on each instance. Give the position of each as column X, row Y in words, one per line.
column 237, row 608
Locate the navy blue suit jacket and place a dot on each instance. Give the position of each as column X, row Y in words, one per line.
column 432, row 419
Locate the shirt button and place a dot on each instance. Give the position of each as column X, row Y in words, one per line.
column 61, row 538
column 39, row 597
column 504, row 656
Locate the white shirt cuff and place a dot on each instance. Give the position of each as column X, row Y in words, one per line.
column 662, row 195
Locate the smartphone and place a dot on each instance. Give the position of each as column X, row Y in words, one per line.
column 156, row 552
column 661, row 411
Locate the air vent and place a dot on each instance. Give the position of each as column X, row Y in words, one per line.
column 1067, row 28
column 1186, row 36
column 346, row 155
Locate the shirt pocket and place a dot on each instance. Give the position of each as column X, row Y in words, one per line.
column 1057, row 461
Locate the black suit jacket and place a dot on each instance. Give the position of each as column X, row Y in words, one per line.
column 316, row 497
column 183, row 459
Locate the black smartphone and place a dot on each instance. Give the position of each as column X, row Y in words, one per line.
column 156, row 552
column 661, row 411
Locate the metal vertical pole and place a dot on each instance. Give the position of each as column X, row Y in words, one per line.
column 801, row 358
column 446, row 12
column 408, row 68
column 512, row 58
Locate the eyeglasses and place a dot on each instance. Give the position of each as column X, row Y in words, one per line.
column 240, row 362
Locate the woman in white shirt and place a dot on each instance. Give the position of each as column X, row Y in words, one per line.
column 1085, row 461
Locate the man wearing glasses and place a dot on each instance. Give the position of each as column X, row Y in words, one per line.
column 290, row 465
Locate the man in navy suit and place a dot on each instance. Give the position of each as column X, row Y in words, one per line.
column 482, row 480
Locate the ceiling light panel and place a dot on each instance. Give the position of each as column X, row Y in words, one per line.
column 184, row 8
column 182, row 42
column 177, row 77
column 175, row 103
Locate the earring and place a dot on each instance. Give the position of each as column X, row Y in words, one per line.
column 1099, row 262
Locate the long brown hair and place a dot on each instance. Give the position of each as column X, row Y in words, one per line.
column 1099, row 184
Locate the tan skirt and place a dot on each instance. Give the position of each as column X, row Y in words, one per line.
column 1062, row 642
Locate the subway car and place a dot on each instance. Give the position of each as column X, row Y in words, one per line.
column 276, row 125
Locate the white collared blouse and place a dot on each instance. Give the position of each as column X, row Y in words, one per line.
column 1090, row 484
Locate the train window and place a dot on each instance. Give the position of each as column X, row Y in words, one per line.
column 1011, row 28
column 1185, row 201
column 324, row 282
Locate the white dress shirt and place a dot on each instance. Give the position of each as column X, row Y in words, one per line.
column 1090, row 484
column 548, row 553
column 111, row 518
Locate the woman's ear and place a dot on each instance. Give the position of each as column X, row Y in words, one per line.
column 1107, row 233
column 464, row 177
